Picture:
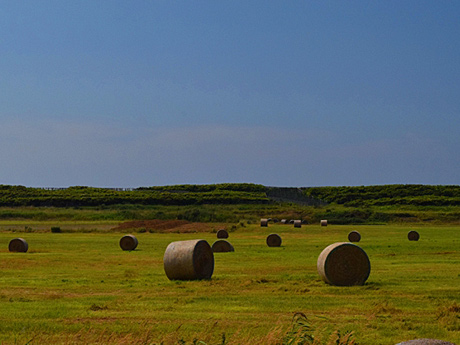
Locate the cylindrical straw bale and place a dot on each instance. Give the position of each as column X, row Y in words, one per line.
column 323, row 222
column 354, row 236
column 297, row 223
column 222, row 233
column 18, row 245
column 283, row 221
column 273, row 240
column 413, row 235
column 344, row 264
column 425, row 341
column 189, row 260
column 264, row 222
column 222, row 246
column 128, row 242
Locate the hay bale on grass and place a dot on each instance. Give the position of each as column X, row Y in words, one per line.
column 413, row 235
column 264, row 222
column 128, row 242
column 273, row 240
column 425, row 342
column 354, row 236
column 323, row 222
column 297, row 223
column 283, row 221
column 344, row 264
column 222, row 233
column 18, row 245
column 222, row 246
column 188, row 260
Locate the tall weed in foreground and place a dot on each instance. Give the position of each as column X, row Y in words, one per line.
column 302, row 332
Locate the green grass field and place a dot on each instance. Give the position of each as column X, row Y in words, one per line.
column 81, row 288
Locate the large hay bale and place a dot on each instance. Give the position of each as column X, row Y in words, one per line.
column 18, row 245
column 413, row 235
column 323, row 222
column 297, row 223
column 425, row 342
column 273, row 240
column 188, row 260
column 354, row 236
column 264, row 222
column 128, row 242
column 222, row 233
column 344, row 264
column 222, row 246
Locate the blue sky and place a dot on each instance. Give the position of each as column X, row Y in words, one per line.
column 282, row 93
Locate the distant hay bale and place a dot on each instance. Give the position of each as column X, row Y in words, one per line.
column 425, row 342
column 344, row 264
column 222, row 233
column 297, row 223
column 354, row 236
column 18, row 245
column 413, row 235
column 283, row 221
column 264, row 222
column 291, row 221
column 275, row 220
column 128, row 242
column 323, row 222
column 222, row 246
column 188, row 260
column 273, row 240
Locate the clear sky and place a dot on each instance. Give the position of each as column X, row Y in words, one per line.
column 281, row 93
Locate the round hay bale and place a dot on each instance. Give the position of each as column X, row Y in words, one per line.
column 283, row 221
column 291, row 221
column 273, row 240
column 354, row 236
column 344, row 264
column 413, row 235
column 297, row 223
column 18, row 245
column 275, row 220
column 188, row 260
column 323, row 222
column 222, row 246
column 264, row 222
column 425, row 342
column 222, row 233
column 128, row 242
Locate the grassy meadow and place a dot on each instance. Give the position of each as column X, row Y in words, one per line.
column 79, row 287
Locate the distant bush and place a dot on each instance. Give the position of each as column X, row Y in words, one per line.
column 417, row 195
column 78, row 196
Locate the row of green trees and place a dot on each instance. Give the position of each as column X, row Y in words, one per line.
column 173, row 195
column 416, row 195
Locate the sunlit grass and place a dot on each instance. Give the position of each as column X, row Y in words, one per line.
column 82, row 288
